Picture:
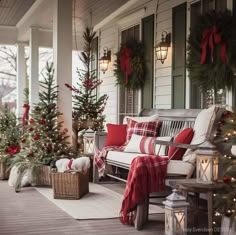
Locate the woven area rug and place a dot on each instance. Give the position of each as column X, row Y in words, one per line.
column 99, row 203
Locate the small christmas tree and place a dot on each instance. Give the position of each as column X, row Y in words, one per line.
column 87, row 106
column 43, row 140
column 9, row 134
column 225, row 202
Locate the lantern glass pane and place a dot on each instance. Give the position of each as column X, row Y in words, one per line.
column 179, row 221
column 88, row 145
column 207, row 168
column 104, row 65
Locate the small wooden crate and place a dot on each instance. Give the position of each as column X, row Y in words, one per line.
column 4, row 172
column 43, row 177
column 70, row 185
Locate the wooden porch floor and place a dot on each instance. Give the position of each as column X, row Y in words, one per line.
column 28, row 212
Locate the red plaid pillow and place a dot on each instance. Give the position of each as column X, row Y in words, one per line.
column 142, row 128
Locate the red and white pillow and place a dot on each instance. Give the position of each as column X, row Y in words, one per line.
column 142, row 128
column 144, row 144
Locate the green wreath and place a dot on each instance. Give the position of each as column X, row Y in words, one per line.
column 214, row 32
column 130, row 66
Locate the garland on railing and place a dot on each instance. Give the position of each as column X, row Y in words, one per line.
column 130, row 66
column 212, row 50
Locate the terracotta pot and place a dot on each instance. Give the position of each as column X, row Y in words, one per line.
column 4, row 173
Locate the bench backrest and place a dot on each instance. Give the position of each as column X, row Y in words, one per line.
column 173, row 120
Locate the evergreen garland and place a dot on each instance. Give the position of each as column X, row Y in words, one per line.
column 213, row 73
column 136, row 79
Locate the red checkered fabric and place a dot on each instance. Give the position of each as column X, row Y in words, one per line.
column 142, row 128
column 146, row 175
column 101, row 155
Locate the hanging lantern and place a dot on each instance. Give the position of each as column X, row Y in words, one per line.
column 175, row 214
column 207, row 163
column 88, row 139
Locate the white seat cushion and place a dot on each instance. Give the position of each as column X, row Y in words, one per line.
column 173, row 167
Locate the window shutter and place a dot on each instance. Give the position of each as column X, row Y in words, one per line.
column 179, row 56
column 148, row 41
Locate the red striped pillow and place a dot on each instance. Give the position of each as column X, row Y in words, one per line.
column 144, row 144
column 150, row 129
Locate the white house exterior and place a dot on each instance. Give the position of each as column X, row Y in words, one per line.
column 54, row 23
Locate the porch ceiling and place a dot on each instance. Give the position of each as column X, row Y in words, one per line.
column 19, row 15
column 11, row 11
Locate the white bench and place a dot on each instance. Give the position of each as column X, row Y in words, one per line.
column 173, row 121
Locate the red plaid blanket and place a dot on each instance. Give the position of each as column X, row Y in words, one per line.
column 146, row 175
column 101, row 155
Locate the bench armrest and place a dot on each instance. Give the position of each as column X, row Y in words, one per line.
column 170, row 143
column 99, row 140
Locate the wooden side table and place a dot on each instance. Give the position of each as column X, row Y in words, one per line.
column 191, row 185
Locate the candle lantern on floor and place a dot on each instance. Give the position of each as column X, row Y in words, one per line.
column 175, row 214
column 207, row 163
column 88, row 139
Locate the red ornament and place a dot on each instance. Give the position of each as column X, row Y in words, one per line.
column 36, row 137
column 42, row 122
column 31, row 120
column 49, row 147
column 227, row 179
column 31, row 129
column 13, row 149
column 227, row 114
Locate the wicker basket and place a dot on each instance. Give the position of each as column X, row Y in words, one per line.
column 43, row 177
column 70, row 185
column 4, row 172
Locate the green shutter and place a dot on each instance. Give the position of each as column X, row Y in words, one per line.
column 179, row 56
column 148, row 40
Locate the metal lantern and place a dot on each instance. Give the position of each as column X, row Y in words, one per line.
column 175, row 214
column 207, row 163
column 88, row 139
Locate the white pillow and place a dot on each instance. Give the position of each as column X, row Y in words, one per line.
column 142, row 119
column 144, row 144
column 201, row 125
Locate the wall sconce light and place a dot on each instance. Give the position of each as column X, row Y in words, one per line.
column 105, row 59
column 207, row 163
column 162, row 47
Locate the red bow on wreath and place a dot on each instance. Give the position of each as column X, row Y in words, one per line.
column 125, row 62
column 26, row 107
column 211, row 37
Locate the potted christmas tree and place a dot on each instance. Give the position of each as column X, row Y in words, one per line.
column 43, row 141
column 9, row 140
column 87, row 107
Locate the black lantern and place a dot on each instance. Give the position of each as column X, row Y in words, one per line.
column 105, row 59
column 162, row 47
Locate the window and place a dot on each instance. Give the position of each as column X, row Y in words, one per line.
column 129, row 99
column 202, row 99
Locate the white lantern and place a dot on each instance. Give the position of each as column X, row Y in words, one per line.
column 175, row 214
column 88, row 139
column 207, row 163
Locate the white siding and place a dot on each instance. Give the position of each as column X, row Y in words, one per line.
column 109, row 37
column 163, row 71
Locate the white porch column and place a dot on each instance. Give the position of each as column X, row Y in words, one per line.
column 20, row 78
column 62, row 56
column 34, row 67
